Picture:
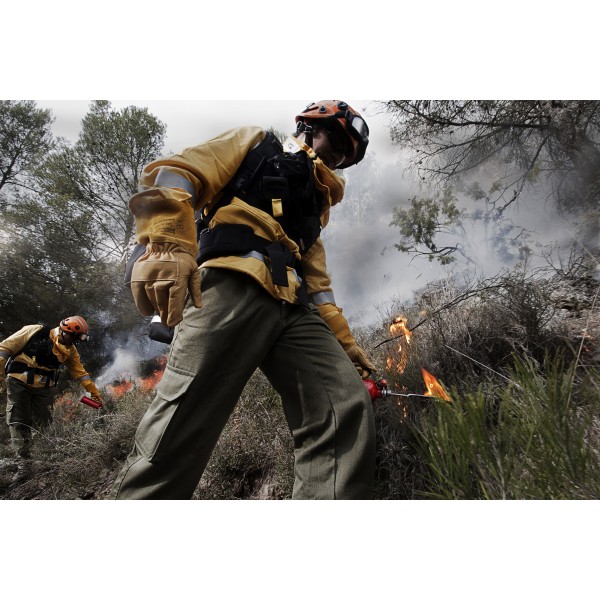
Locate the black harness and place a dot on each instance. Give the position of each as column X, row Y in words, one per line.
column 280, row 184
column 39, row 347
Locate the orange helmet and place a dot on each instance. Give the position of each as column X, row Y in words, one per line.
column 333, row 115
column 75, row 325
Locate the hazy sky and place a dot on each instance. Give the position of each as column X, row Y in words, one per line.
column 381, row 278
column 189, row 122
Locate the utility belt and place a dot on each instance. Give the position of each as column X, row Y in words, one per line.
column 239, row 240
column 21, row 368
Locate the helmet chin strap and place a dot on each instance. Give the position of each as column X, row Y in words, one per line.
column 307, row 130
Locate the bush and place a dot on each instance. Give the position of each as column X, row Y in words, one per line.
column 541, row 440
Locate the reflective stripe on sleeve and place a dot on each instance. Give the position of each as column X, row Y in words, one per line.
column 5, row 354
column 84, row 378
column 166, row 178
column 322, row 298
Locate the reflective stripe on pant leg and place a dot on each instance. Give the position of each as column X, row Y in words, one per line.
column 215, row 351
column 327, row 408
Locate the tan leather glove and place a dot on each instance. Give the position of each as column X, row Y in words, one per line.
column 91, row 388
column 2, row 386
column 362, row 363
column 160, row 280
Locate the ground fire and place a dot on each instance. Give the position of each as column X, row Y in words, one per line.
column 151, row 373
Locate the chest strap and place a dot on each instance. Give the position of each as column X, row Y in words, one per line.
column 238, row 240
column 17, row 366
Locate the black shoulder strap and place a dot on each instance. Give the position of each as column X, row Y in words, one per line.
column 253, row 163
column 43, row 333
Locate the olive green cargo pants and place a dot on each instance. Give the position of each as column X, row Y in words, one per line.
column 26, row 406
column 215, row 351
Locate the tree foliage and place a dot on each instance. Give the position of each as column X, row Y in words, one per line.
column 25, row 139
column 521, row 144
column 94, row 179
column 63, row 239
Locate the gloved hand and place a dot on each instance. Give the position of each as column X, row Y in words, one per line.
column 91, row 388
column 2, row 386
column 363, row 365
column 160, row 280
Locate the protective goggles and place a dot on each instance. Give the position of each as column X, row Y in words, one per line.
column 356, row 125
column 79, row 337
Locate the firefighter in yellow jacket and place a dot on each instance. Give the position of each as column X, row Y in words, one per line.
column 262, row 298
column 31, row 359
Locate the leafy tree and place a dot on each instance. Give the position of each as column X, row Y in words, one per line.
column 64, row 240
column 524, row 144
column 94, row 180
column 25, row 139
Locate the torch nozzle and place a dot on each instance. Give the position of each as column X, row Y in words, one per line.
column 379, row 389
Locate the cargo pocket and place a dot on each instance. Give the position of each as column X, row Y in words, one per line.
column 157, row 429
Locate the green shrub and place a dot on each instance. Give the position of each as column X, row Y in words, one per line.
column 537, row 439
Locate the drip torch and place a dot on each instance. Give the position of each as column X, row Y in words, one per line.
column 379, row 389
column 90, row 401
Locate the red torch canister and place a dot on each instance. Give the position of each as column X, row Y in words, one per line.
column 90, row 402
column 373, row 389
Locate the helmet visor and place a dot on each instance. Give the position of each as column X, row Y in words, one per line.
column 357, row 127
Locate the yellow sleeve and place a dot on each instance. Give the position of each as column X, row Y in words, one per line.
column 16, row 342
column 318, row 280
column 173, row 188
column 76, row 369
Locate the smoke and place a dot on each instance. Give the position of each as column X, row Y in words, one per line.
column 369, row 274
column 127, row 355
column 125, row 365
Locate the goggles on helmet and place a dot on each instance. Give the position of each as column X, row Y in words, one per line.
column 77, row 337
column 357, row 127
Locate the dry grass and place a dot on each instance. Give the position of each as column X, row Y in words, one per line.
column 520, row 357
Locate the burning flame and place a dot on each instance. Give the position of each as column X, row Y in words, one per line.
column 145, row 384
column 118, row 388
column 67, row 405
column 433, row 386
column 399, row 329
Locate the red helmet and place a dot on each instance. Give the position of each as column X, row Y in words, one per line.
column 75, row 325
column 335, row 114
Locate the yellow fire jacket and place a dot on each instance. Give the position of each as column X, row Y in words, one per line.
column 67, row 355
column 196, row 176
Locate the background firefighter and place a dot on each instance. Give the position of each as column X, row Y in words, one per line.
column 261, row 299
column 31, row 359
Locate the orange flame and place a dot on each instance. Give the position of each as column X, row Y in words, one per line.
column 399, row 329
column 118, row 388
column 67, row 405
column 433, row 386
column 147, row 384
column 144, row 384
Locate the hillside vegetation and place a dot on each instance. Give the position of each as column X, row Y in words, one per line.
column 518, row 355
